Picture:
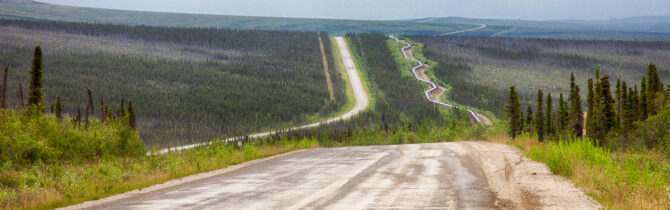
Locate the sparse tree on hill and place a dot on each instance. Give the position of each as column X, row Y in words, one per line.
column 549, row 117
column 90, row 109
column 3, row 89
column 529, row 120
column 619, row 103
column 122, row 110
column 513, row 110
column 19, row 94
column 36, row 95
column 604, row 116
column 576, row 112
column 59, row 109
column 539, row 116
column 563, row 114
column 131, row 115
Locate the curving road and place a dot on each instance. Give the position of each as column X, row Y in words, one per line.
column 499, row 34
column 433, row 86
column 481, row 26
column 361, row 96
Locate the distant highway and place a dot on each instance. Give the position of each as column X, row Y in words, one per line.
column 362, row 100
column 481, row 26
column 505, row 31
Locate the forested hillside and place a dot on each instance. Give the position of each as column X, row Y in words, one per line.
column 481, row 69
column 43, row 11
column 187, row 84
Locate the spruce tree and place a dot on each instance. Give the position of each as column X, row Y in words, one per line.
column 605, row 115
column 618, row 101
column 563, row 114
column 36, row 95
column 3, row 89
column 654, row 90
column 539, row 116
column 549, row 117
column 513, row 110
column 131, row 115
column 628, row 110
column 59, row 109
column 655, row 85
column 576, row 112
column 529, row 120
column 122, row 110
column 636, row 104
column 644, row 98
column 590, row 97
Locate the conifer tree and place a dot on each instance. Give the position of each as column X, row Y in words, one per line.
column 628, row 115
column 539, row 116
column 36, row 95
column 549, row 117
column 590, row 97
column 59, row 109
column 131, row 115
column 563, row 114
column 637, row 109
column 122, row 110
column 654, row 84
column 576, row 112
column 3, row 89
column 529, row 120
column 619, row 104
column 20, row 94
column 605, row 115
column 513, row 110
column 654, row 90
column 644, row 98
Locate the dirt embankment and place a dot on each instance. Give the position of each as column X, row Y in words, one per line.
column 520, row 183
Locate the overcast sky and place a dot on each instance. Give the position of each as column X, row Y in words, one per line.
column 394, row 9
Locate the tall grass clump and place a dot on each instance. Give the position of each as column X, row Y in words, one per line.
column 28, row 137
column 622, row 179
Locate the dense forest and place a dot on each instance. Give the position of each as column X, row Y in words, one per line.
column 615, row 114
column 188, row 84
column 482, row 68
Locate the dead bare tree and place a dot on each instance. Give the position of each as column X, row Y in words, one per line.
column 3, row 90
column 20, row 94
column 90, row 108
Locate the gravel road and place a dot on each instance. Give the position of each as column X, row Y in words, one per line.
column 455, row 175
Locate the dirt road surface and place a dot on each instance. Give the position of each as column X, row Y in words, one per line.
column 455, row 175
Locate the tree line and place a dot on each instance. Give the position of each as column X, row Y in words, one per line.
column 36, row 104
column 608, row 112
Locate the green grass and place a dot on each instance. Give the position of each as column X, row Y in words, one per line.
column 617, row 179
column 61, row 184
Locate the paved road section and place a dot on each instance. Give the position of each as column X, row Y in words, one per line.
column 425, row 176
column 455, row 175
column 360, row 95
